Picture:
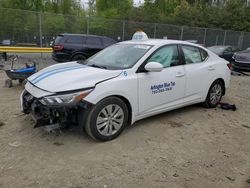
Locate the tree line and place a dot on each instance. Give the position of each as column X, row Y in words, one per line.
column 232, row 15
column 57, row 16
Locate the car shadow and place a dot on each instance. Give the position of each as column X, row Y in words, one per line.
column 170, row 114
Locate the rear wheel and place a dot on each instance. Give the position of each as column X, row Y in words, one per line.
column 107, row 119
column 214, row 94
column 79, row 57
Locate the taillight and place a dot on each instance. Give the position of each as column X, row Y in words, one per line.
column 57, row 47
column 229, row 65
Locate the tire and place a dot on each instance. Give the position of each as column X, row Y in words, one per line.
column 79, row 57
column 8, row 83
column 107, row 119
column 214, row 95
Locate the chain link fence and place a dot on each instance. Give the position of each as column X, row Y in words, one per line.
column 27, row 28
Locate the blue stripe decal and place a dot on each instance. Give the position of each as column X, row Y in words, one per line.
column 55, row 72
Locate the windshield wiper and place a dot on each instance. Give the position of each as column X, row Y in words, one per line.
column 98, row 66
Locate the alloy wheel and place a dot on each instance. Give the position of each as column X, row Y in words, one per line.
column 216, row 94
column 110, row 120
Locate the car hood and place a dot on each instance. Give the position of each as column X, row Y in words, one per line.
column 242, row 56
column 70, row 76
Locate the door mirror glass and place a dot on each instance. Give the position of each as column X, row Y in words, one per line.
column 154, row 67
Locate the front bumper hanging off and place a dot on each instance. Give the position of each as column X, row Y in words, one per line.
column 47, row 115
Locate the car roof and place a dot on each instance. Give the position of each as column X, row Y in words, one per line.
column 84, row 35
column 159, row 42
column 221, row 46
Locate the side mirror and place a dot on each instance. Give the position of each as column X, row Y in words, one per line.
column 154, row 67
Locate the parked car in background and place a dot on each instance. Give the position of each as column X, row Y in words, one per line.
column 242, row 60
column 74, row 47
column 7, row 42
column 195, row 42
column 225, row 52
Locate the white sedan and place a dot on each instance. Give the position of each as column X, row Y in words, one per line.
column 124, row 83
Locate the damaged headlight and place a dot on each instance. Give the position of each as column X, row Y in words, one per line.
column 66, row 99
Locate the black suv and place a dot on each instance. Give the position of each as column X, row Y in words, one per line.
column 74, row 47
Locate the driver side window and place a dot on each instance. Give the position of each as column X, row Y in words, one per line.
column 167, row 56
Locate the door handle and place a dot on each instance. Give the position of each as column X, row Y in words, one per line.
column 211, row 68
column 180, row 74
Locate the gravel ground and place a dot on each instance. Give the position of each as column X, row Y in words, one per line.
column 192, row 147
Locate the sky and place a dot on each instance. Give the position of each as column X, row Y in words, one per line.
column 136, row 2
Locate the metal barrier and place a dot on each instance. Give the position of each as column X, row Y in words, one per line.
column 12, row 49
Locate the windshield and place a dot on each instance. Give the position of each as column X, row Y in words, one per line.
column 118, row 56
column 217, row 49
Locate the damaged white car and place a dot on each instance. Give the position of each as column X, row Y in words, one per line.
column 124, row 83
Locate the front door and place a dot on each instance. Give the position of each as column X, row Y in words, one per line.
column 160, row 90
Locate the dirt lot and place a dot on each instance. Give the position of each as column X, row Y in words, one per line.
column 191, row 147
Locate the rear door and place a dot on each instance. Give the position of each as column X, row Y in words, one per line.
column 198, row 71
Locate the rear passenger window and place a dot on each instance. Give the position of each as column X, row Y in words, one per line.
column 204, row 55
column 93, row 41
column 58, row 39
column 74, row 39
column 193, row 54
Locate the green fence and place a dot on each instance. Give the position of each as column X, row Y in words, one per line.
column 38, row 29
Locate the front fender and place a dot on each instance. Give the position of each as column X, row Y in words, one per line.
column 126, row 88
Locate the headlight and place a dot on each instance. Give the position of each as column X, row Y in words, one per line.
column 67, row 99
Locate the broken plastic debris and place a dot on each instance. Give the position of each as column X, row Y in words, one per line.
column 14, row 144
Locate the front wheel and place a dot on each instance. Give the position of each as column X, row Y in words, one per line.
column 107, row 119
column 214, row 94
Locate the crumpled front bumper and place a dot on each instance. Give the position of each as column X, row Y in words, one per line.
column 47, row 115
